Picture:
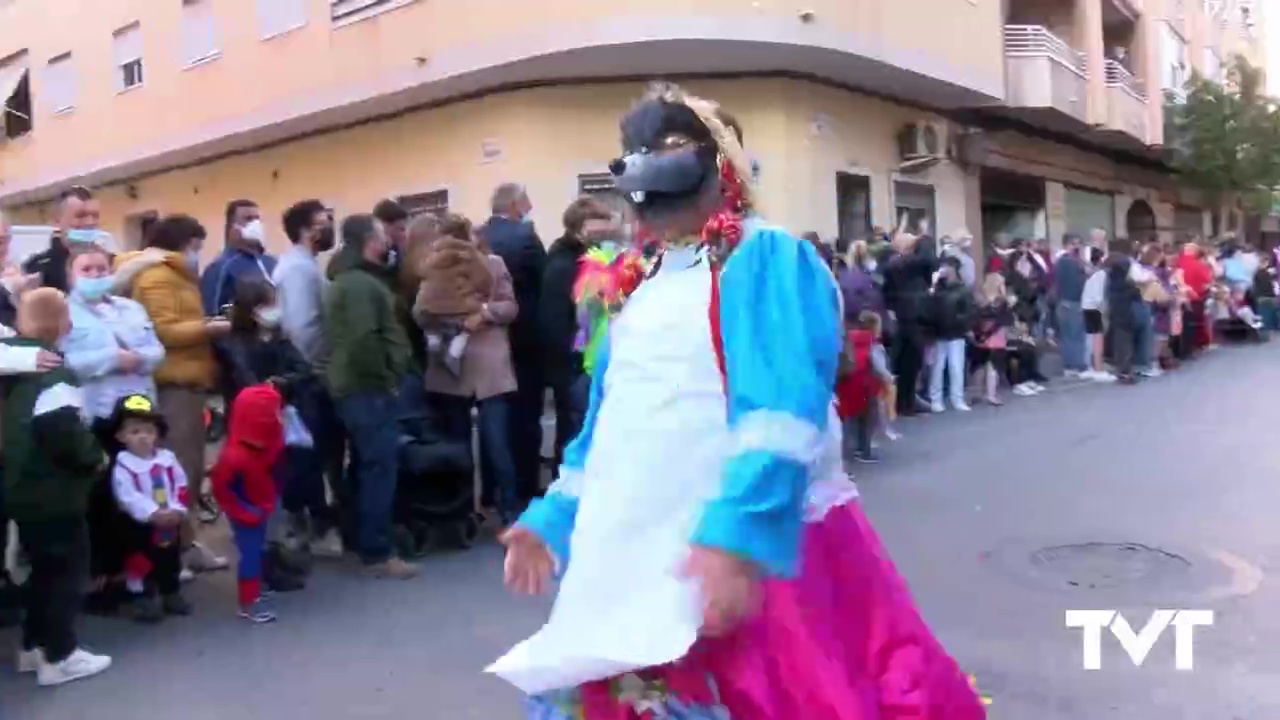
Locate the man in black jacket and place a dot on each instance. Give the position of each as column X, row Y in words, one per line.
column 78, row 213
column 510, row 235
column 587, row 222
column 907, row 278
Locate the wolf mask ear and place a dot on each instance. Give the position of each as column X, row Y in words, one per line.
column 42, row 314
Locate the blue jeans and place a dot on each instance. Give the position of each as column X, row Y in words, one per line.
column 1071, row 340
column 370, row 421
column 948, row 357
column 1144, row 336
column 497, row 464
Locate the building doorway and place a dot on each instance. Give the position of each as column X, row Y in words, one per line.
column 1140, row 223
column 1012, row 207
column 853, row 208
column 136, row 227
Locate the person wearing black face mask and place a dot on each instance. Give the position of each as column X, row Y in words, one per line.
column 299, row 288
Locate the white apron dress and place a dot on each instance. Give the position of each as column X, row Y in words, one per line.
column 659, row 446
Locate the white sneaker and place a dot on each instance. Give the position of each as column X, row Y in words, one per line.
column 961, row 406
column 1073, row 373
column 328, row 546
column 1102, row 376
column 78, row 665
column 937, row 408
column 29, row 661
column 1037, row 388
column 201, row 558
column 1152, row 372
column 186, row 575
column 1024, row 390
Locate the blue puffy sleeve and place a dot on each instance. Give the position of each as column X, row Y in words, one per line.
column 552, row 516
column 780, row 328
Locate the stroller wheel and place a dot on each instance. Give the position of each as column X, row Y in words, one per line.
column 468, row 531
column 207, row 510
column 405, row 543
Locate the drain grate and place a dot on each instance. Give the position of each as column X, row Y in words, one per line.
column 1098, row 565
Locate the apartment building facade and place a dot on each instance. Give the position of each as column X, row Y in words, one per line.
column 1032, row 117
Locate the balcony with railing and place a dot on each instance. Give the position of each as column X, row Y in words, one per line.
column 1043, row 72
column 1126, row 101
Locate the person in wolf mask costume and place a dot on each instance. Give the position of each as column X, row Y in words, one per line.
column 712, row 557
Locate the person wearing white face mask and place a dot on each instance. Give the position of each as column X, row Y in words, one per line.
column 243, row 258
column 113, row 350
column 257, row 351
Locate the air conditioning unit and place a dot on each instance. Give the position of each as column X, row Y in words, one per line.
column 920, row 140
column 921, row 145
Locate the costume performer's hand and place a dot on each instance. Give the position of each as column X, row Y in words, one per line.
column 528, row 566
column 729, row 585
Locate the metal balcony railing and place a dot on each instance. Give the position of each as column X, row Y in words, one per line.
column 1118, row 77
column 1037, row 41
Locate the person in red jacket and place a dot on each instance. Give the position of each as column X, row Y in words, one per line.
column 857, row 392
column 1197, row 274
column 244, row 486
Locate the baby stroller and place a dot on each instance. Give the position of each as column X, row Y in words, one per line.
column 435, row 492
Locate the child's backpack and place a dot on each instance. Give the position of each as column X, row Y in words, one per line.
column 856, row 389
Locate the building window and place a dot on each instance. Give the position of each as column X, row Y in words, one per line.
column 352, row 10
column 127, row 43
column 915, row 201
column 60, row 84
column 1212, row 65
column 1173, row 60
column 435, row 203
column 602, row 187
column 277, row 17
column 15, row 92
column 200, row 40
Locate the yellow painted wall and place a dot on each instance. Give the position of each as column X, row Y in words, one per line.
column 254, row 74
column 547, row 137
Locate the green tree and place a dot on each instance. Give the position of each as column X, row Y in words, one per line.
column 1225, row 138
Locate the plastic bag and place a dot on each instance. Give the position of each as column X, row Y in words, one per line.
column 296, row 433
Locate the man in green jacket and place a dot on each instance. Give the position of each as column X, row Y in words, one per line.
column 52, row 462
column 370, row 355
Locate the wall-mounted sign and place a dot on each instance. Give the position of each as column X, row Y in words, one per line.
column 490, row 151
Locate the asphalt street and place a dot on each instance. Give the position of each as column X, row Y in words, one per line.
column 1089, row 497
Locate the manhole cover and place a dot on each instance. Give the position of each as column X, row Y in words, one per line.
column 1106, row 565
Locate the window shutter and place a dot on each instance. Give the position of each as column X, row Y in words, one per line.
column 279, row 16
column 59, row 80
column 199, row 31
column 127, row 43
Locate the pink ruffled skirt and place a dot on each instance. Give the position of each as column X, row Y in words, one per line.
column 843, row 641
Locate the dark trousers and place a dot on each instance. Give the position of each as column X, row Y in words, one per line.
column 527, row 405
column 1123, row 343
column 370, row 422
column 864, row 425
column 570, row 406
column 908, row 359
column 164, row 555
column 4, row 533
column 58, row 551
column 1022, row 363
column 331, row 444
column 499, row 484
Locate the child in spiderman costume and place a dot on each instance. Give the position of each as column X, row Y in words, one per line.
column 244, row 485
column 714, row 563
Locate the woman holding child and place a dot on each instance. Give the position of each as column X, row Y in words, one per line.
column 464, row 305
